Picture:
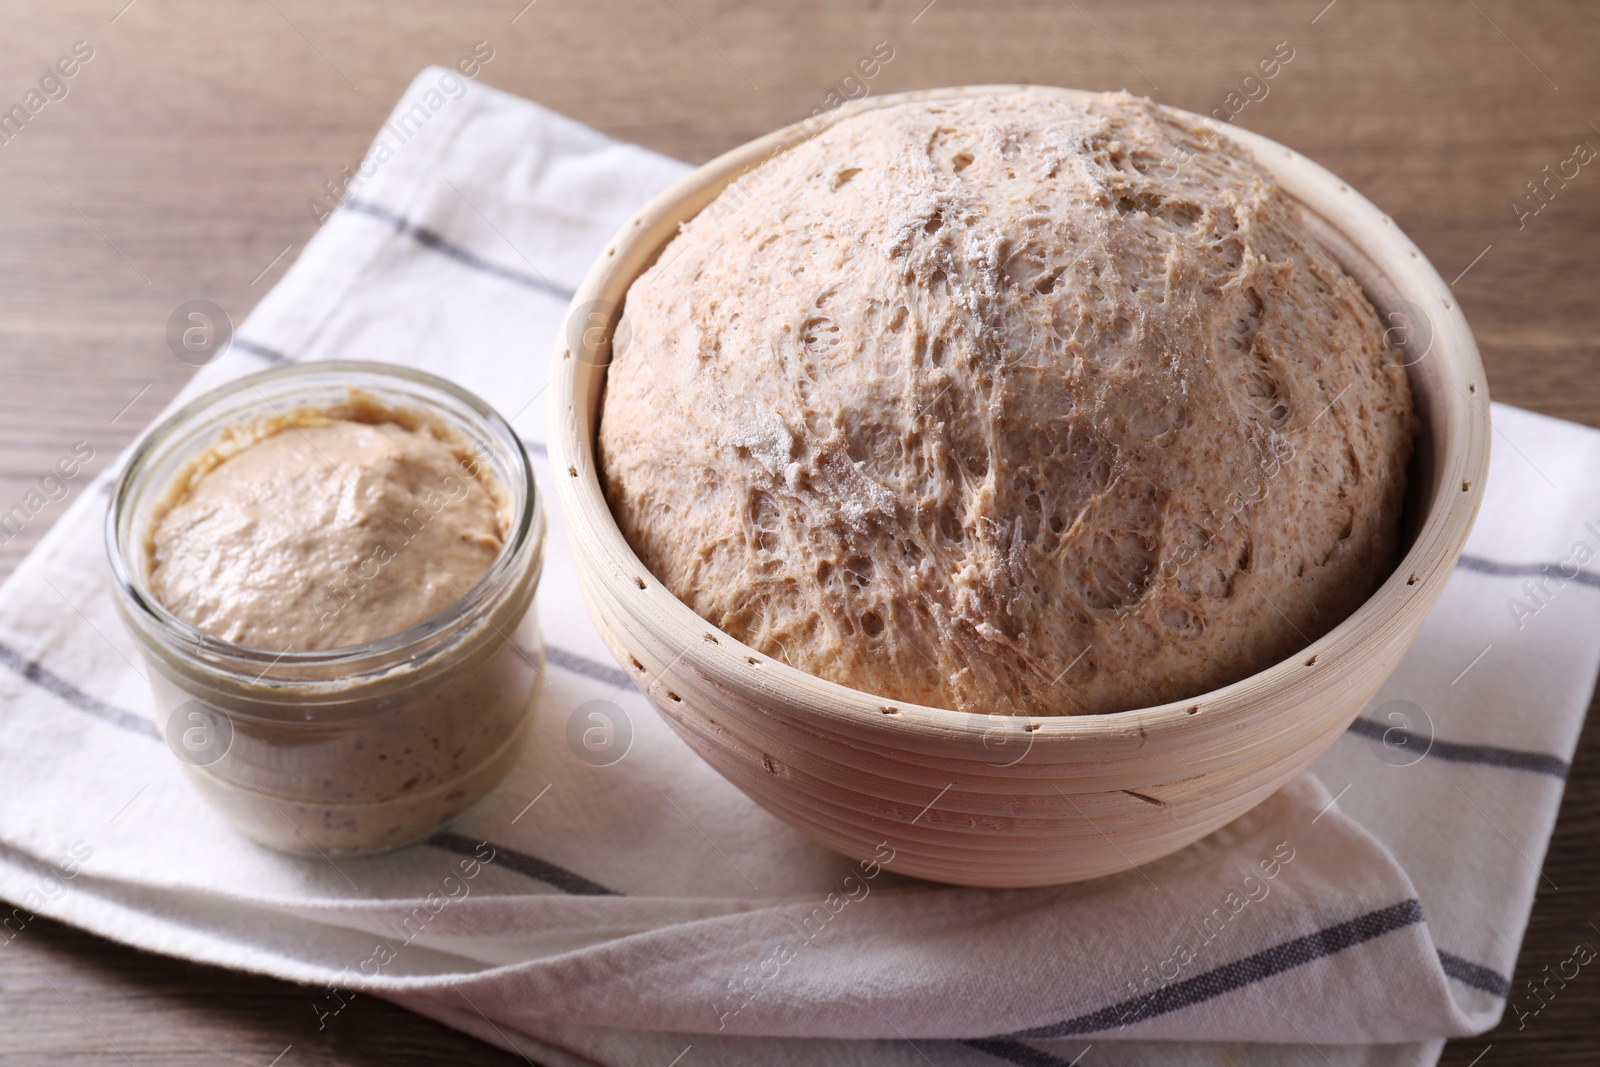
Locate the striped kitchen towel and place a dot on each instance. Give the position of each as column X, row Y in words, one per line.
column 632, row 908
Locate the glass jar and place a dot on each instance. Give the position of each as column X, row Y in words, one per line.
column 348, row 750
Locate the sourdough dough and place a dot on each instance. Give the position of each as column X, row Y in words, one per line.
column 1016, row 404
column 324, row 530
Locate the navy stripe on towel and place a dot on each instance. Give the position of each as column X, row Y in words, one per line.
column 1474, row 975
column 59, row 687
column 524, row 864
column 1515, row 759
column 271, row 355
column 432, row 241
column 1003, row 1048
column 600, row 672
column 1554, row 571
column 1239, row 974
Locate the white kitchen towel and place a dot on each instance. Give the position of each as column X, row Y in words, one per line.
column 635, row 912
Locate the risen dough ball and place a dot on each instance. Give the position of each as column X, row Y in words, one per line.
column 1013, row 404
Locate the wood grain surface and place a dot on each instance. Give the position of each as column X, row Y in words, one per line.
column 180, row 160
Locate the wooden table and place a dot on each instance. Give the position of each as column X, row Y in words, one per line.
column 179, row 163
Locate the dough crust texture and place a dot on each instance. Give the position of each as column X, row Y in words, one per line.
column 1013, row 404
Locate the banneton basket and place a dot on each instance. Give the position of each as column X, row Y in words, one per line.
column 1008, row 801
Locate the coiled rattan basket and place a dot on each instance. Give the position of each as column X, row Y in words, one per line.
column 999, row 801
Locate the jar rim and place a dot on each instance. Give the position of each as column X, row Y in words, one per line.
column 525, row 526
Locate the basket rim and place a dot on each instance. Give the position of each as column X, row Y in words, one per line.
column 1392, row 613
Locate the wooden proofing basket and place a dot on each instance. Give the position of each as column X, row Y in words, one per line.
column 1007, row 801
